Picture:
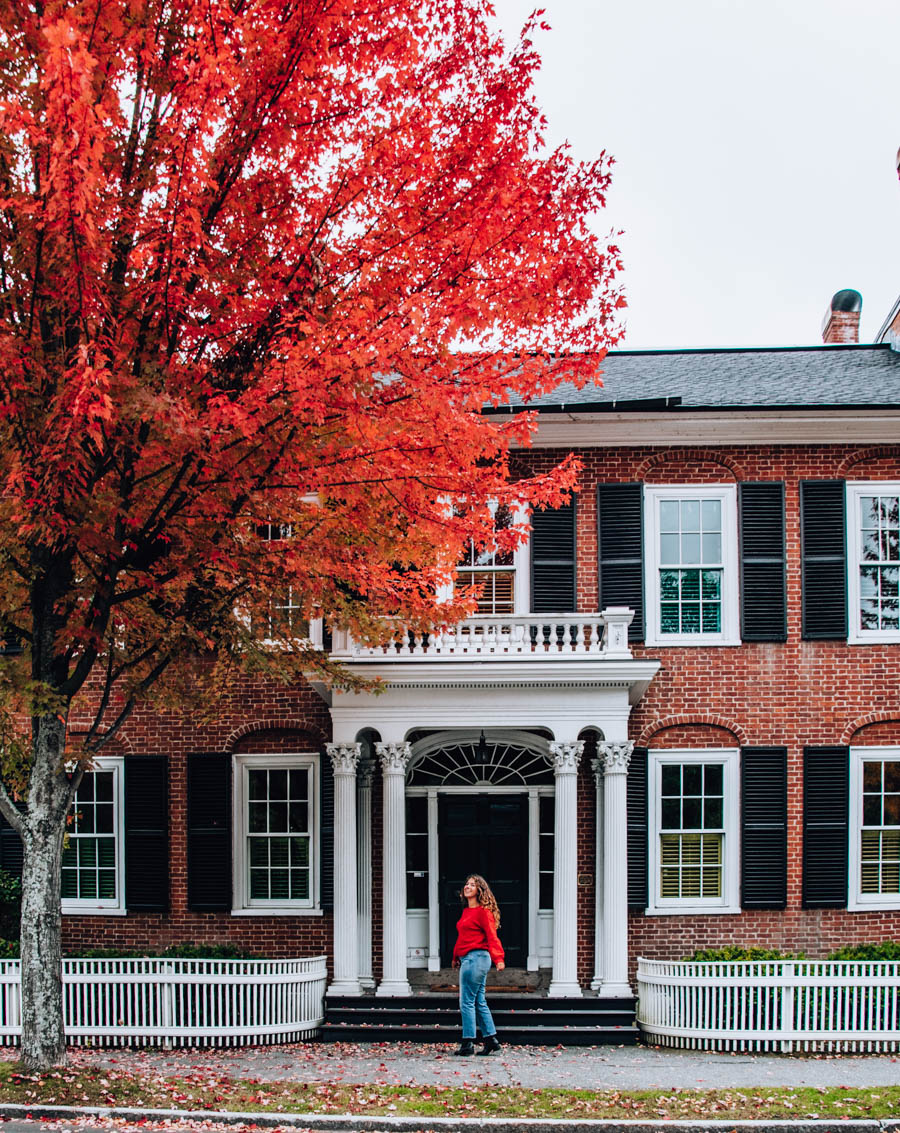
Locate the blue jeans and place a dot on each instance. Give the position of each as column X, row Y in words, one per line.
column 473, row 970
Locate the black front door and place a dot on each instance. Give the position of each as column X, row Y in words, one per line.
column 486, row 834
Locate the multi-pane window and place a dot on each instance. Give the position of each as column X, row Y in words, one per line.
column 691, row 830
column 275, row 831
column 690, row 543
column 879, row 562
column 284, row 616
column 492, row 570
column 880, row 834
column 417, row 852
column 92, row 858
column 693, row 810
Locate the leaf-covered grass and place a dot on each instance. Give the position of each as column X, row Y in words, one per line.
column 211, row 1091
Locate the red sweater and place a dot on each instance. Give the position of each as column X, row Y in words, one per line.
column 476, row 929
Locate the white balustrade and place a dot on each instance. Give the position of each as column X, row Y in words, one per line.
column 786, row 1005
column 172, row 1002
column 524, row 636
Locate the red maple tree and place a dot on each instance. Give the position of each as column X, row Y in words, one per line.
column 260, row 263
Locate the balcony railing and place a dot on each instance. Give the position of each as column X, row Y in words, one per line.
column 518, row 636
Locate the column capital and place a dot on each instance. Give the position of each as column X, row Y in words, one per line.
column 394, row 757
column 615, row 756
column 566, row 755
column 365, row 771
column 344, row 757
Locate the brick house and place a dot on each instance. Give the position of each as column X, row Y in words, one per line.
column 697, row 660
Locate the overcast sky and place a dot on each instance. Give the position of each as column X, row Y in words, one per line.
column 755, row 145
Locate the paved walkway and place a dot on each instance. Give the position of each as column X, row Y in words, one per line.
column 598, row 1068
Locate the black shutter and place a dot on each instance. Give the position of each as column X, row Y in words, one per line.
column 620, row 550
column 764, row 827
column 209, row 832
column 553, row 560
column 146, row 834
column 763, row 593
column 638, row 834
column 825, row 826
column 11, row 850
column 822, row 532
column 326, row 834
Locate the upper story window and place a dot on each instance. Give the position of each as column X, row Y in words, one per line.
column 93, row 862
column 276, row 832
column 875, row 827
column 873, row 541
column 694, row 831
column 691, row 565
column 500, row 575
column 284, row 616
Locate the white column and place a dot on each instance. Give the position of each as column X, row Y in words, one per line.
column 394, row 758
column 597, row 766
column 566, row 757
column 615, row 756
column 344, row 758
column 364, row 870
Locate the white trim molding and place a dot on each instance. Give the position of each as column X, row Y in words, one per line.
column 857, row 901
column 856, row 490
column 90, row 906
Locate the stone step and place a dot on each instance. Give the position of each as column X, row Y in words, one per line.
column 512, row 1036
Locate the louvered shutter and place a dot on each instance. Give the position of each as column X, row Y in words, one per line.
column 620, row 551
column 822, row 529
column 326, row 834
column 146, row 833
column 209, row 832
column 764, row 827
column 10, row 849
column 553, row 560
column 763, row 593
column 826, row 775
column 638, row 834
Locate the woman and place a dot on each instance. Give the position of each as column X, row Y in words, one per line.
column 477, row 944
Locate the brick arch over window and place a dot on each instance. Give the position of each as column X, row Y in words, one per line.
column 877, row 728
column 120, row 744
column 692, row 457
column 273, row 731
column 693, row 721
column 886, row 457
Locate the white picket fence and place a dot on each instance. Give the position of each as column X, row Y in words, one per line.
column 786, row 1005
column 170, row 1002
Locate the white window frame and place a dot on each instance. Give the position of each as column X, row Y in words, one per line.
column 521, row 568
column 730, row 901
column 857, row 901
column 242, row 905
column 727, row 494
column 81, row 906
column 856, row 489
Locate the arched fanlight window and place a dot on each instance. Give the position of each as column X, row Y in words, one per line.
column 481, row 763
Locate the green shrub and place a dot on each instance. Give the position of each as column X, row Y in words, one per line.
column 741, row 952
column 174, row 951
column 9, row 949
column 884, row 950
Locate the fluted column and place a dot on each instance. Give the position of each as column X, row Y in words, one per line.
column 394, row 758
column 598, row 768
column 616, row 756
column 344, row 758
column 365, row 772
column 566, row 757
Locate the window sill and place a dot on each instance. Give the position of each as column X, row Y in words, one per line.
column 694, row 911
column 891, row 903
column 92, row 911
column 874, row 639
column 278, row 911
column 691, row 642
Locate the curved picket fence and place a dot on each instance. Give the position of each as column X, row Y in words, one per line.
column 171, row 1002
column 785, row 1005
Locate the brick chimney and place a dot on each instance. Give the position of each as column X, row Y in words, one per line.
column 841, row 323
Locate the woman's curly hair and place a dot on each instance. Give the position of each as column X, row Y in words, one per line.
column 484, row 896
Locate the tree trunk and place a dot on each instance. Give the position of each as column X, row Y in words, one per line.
column 43, row 1035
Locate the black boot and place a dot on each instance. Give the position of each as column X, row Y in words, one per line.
column 491, row 1043
column 465, row 1048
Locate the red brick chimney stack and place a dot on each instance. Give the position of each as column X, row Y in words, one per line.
column 841, row 322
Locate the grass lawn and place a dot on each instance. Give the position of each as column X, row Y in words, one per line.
column 198, row 1091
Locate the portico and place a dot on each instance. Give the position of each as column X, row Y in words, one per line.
column 499, row 712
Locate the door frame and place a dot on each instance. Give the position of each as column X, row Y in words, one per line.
column 540, row 921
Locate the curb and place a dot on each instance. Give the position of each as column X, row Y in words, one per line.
column 385, row 1124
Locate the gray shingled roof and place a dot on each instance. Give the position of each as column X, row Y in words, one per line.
column 769, row 378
